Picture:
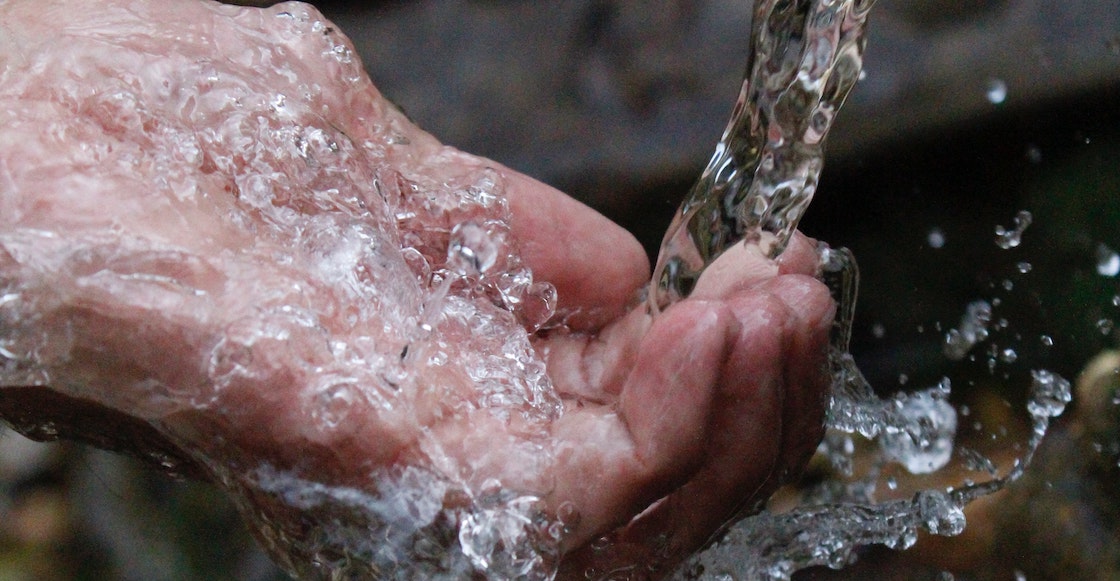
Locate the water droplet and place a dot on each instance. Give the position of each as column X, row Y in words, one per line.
column 903, row 379
column 1047, row 340
column 924, row 444
column 1049, row 394
column 1007, row 239
column 568, row 515
column 1116, row 300
column 473, row 250
column 600, row 543
column 972, row 329
column 1105, row 326
column 940, row 514
column 935, row 238
column 878, row 330
column 1034, row 154
column 333, row 402
column 1023, row 267
column 996, row 91
column 892, row 483
column 1108, row 262
column 1020, row 576
column 1008, row 355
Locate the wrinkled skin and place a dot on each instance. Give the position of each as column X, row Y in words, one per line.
column 133, row 247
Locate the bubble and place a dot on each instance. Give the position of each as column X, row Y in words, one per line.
column 1008, row 355
column 1046, row 340
column 996, row 91
column 1105, row 326
column 1023, row 267
column 1108, row 262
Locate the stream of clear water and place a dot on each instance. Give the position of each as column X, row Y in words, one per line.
column 806, row 55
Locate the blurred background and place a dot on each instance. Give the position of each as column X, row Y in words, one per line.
column 970, row 112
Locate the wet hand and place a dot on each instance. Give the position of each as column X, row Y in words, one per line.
column 222, row 249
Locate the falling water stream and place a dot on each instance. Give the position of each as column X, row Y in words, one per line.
column 805, row 57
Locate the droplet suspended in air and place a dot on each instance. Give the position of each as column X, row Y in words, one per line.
column 1108, row 262
column 996, row 91
column 935, row 238
column 1007, row 239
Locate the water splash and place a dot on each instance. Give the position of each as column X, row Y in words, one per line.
column 1008, row 239
column 806, row 56
column 972, row 329
column 760, row 180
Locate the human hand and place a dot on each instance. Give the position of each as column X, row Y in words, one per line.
column 222, row 249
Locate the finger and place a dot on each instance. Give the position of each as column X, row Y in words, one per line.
column 800, row 256
column 805, row 369
column 613, row 461
column 596, row 266
column 593, row 368
column 760, row 429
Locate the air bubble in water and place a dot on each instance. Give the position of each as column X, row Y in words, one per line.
column 1007, row 239
column 1105, row 326
column 996, row 91
column 1108, row 261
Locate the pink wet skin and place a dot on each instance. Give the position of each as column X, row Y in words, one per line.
column 672, row 424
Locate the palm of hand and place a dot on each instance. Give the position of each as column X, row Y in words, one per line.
column 264, row 306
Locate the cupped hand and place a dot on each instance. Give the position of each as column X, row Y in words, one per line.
column 221, row 248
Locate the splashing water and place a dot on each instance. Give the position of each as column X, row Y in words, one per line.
column 805, row 58
column 1008, row 239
